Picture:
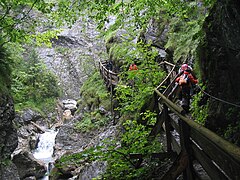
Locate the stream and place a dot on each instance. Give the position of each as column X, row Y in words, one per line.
column 44, row 149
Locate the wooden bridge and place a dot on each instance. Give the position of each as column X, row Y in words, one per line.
column 196, row 144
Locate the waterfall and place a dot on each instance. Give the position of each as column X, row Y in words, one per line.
column 44, row 150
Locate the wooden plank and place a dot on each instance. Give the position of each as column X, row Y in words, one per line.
column 169, row 88
column 227, row 163
column 207, row 163
column 178, row 166
column 185, row 146
column 168, row 77
column 170, row 104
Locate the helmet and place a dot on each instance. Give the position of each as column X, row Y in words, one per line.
column 184, row 67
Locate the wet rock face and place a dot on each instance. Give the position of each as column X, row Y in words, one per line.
column 220, row 58
column 8, row 136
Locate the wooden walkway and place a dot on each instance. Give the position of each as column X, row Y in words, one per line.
column 196, row 144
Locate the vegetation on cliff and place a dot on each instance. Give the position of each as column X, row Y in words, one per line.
column 94, row 99
column 31, row 83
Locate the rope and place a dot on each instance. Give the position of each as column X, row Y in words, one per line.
column 221, row 100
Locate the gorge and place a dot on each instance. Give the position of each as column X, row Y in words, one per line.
column 108, row 125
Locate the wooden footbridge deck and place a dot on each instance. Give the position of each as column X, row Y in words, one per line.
column 219, row 158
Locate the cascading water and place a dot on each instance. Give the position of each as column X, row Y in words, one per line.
column 44, row 150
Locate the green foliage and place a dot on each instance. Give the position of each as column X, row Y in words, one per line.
column 199, row 112
column 184, row 17
column 5, row 162
column 45, row 37
column 86, row 156
column 184, row 44
column 149, row 117
column 18, row 26
column 16, row 22
column 32, row 83
column 93, row 95
column 92, row 121
column 140, row 83
column 232, row 133
column 120, row 166
column 189, row 20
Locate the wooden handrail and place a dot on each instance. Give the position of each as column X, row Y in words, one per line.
column 169, row 74
column 219, row 158
column 110, row 77
column 225, row 145
column 111, row 72
column 228, row 154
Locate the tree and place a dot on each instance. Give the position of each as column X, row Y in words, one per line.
column 16, row 22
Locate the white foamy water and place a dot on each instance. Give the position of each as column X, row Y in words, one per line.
column 44, row 150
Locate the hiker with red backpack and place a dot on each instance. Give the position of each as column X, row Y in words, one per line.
column 133, row 66
column 186, row 80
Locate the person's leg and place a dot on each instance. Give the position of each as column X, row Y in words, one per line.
column 185, row 98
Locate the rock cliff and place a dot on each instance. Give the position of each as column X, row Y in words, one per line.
column 8, row 138
column 220, row 60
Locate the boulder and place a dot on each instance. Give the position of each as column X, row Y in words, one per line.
column 70, row 104
column 27, row 116
column 92, row 170
column 27, row 139
column 9, row 171
column 28, row 166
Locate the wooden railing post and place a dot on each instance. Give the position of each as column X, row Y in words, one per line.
column 167, row 127
column 186, row 149
column 111, row 88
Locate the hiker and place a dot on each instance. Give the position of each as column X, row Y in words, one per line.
column 186, row 80
column 186, row 67
column 133, row 66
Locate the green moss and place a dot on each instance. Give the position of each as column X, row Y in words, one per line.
column 92, row 121
column 94, row 93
